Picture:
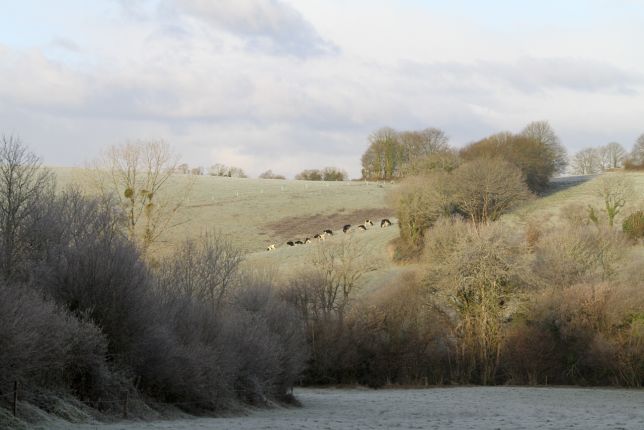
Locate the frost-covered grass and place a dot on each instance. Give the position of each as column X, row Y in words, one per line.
column 257, row 212
column 436, row 408
column 575, row 190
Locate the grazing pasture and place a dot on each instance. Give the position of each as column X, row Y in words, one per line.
column 255, row 213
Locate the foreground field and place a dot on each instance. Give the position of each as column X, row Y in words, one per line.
column 439, row 408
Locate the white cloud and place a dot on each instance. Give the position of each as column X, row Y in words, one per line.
column 243, row 83
column 266, row 25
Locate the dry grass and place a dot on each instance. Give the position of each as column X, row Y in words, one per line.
column 572, row 191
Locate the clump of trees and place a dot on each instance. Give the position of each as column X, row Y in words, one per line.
column 270, row 175
column 325, row 174
column 392, row 154
column 84, row 315
column 536, row 151
column 591, row 161
column 480, row 190
column 538, row 155
column 226, row 171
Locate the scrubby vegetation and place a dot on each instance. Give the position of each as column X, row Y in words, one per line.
column 83, row 314
column 481, row 290
column 490, row 305
column 489, row 301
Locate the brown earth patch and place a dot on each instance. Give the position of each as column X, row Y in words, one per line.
column 292, row 228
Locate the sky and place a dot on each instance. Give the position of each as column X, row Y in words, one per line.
column 289, row 85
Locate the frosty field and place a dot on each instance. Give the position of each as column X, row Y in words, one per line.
column 436, row 408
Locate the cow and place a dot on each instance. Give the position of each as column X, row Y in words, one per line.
column 307, row 240
column 299, row 242
column 362, row 227
column 368, row 222
column 320, row 237
column 271, row 247
column 346, row 228
column 329, row 232
column 290, row 243
column 385, row 223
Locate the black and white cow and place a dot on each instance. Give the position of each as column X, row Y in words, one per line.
column 346, row 228
column 299, row 242
column 307, row 240
column 385, row 223
column 329, row 232
column 271, row 247
column 362, row 227
column 368, row 222
column 320, row 237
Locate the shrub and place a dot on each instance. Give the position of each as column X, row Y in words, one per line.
column 633, row 225
column 309, row 175
column 420, row 201
column 43, row 346
column 535, row 158
column 632, row 165
column 270, row 175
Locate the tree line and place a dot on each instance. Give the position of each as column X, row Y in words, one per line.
column 87, row 311
column 591, row 161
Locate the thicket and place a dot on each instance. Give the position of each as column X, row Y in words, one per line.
column 633, row 225
column 480, row 190
column 536, row 160
column 492, row 305
column 325, row 174
column 83, row 315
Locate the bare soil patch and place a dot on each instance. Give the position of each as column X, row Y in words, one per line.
column 308, row 225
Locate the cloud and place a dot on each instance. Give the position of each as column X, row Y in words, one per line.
column 530, row 75
column 265, row 25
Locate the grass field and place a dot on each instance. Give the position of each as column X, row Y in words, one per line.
column 255, row 213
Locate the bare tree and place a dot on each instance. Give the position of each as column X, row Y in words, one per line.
column 543, row 132
column 615, row 154
column 384, row 156
column 24, row 184
column 340, row 265
column 615, row 190
column 486, row 188
column 137, row 174
column 477, row 278
column 637, row 154
column 586, row 162
column 203, row 269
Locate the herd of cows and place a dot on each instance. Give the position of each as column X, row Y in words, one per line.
column 322, row 236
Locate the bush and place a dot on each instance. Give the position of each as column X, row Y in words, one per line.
column 633, row 225
column 43, row 346
column 632, row 165
column 536, row 159
column 420, row 202
column 270, row 175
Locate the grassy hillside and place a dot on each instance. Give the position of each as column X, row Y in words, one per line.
column 576, row 191
column 254, row 213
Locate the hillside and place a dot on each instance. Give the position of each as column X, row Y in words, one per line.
column 254, row 213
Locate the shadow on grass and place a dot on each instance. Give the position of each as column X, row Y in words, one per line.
column 563, row 183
